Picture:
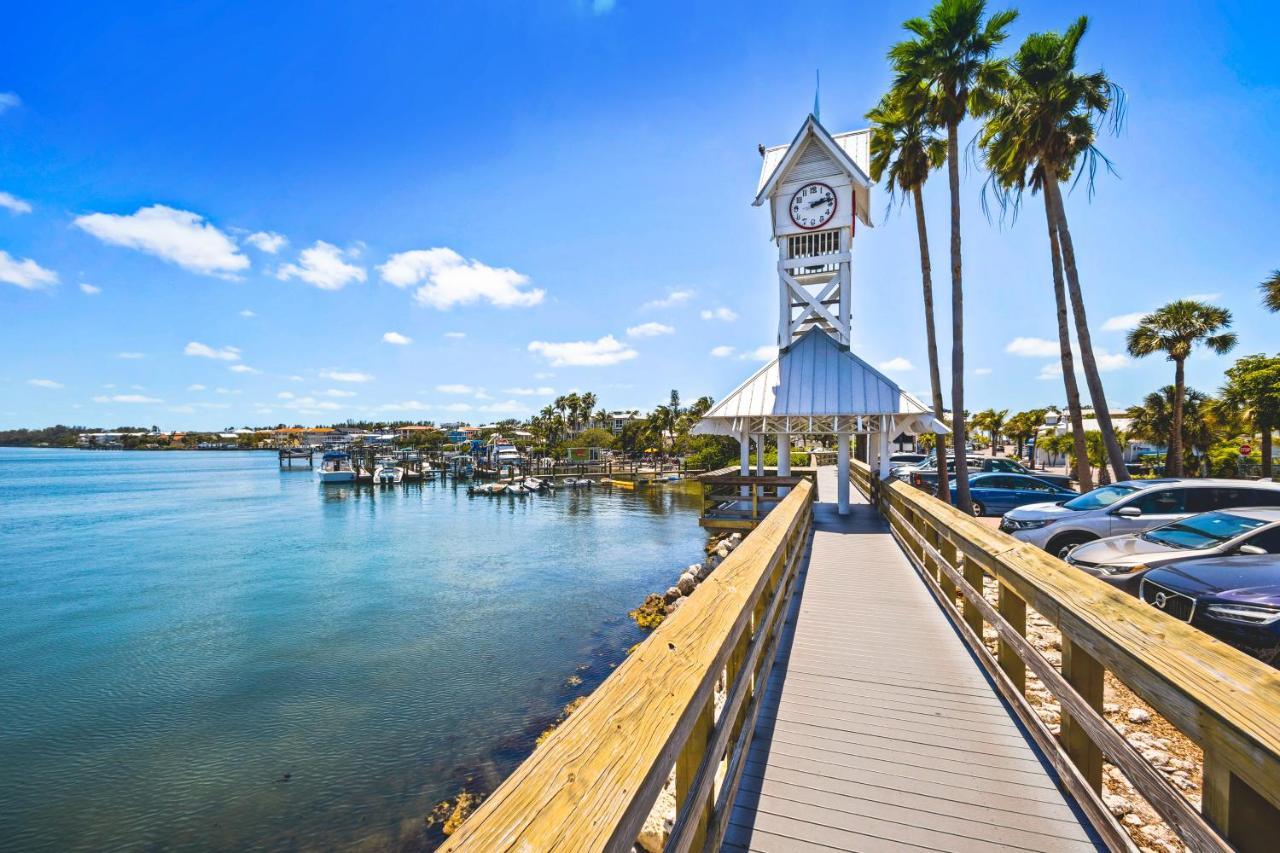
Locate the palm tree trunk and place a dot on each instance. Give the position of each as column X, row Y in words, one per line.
column 1092, row 378
column 1174, row 464
column 943, row 488
column 1083, row 478
column 963, row 501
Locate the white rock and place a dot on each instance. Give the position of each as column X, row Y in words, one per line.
column 1110, row 708
column 1132, row 819
column 735, row 537
column 1118, row 806
column 687, row 583
column 712, row 561
column 671, row 594
column 1139, row 715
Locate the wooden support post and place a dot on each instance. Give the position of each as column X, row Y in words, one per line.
column 1083, row 672
column 687, row 770
column 973, row 575
column 1014, row 611
column 1247, row 819
column 948, row 552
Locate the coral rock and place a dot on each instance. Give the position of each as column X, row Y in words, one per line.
column 1139, row 715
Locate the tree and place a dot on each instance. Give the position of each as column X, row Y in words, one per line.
column 991, row 422
column 1253, row 390
column 1271, row 291
column 1040, row 126
column 1174, row 330
column 1153, row 421
column 950, row 59
column 594, row 437
column 905, row 148
column 1023, row 426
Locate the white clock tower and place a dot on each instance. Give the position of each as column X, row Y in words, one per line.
column 817, row 189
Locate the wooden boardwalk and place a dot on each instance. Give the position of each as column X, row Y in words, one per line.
column 879, row 731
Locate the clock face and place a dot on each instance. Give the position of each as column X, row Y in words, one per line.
column 813, row 205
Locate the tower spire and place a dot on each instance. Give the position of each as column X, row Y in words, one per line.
column 817, row 89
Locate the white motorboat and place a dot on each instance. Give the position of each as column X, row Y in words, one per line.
column 335, row 467
column 387, row 471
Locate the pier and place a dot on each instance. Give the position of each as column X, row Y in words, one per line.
column 873, row 674
column 290, row 455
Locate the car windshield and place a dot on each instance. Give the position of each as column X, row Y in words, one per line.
column 1098, row 498
column 1202, row 531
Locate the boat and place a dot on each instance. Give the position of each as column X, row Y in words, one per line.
column 335, row 467
column 576, row 483
column 533, row 484
column 387, row 471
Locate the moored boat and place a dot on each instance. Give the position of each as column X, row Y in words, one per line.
column 335, row 467
column 387, row 471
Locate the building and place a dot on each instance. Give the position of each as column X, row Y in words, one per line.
column 412, row 431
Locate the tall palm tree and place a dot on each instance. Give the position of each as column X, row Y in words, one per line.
column 1174, row 330
column 1040, row 127
column 1253, row 390
column 905, row 148
column 1271, row 291
column 1153, row 420
column 587, row 405
column 950, row 55
column 990, row 421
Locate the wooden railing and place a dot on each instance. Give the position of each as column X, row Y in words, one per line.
column 1225, row 701
column 732, row 501
column 591, row 785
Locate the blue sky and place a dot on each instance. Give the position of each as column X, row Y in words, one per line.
column 215, row 213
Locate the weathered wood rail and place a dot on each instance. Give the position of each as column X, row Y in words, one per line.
column 1223, row 700
column 733, row 502
column 591, row 785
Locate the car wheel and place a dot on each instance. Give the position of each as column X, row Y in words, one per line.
column 978, row 509
column 1062, row 545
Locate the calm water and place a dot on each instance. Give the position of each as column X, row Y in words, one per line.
column 178, row 631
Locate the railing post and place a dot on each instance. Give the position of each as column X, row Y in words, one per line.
column 1014, row 611
column 1236, row 810
column 973, row 576
column 1083, row 672
column 687, row 770
column 948, row 552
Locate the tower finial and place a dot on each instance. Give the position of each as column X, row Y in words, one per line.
column 817, row 90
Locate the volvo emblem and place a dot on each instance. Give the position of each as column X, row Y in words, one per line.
column 1161, row 598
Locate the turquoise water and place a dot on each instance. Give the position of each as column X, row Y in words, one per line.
column 179, row 631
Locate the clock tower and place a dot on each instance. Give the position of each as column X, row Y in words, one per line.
column 817, row 189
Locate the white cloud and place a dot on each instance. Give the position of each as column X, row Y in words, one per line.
column 1032, row 347
column 125, row 398
column 979, row 371
column 205, row 351
column 334, row 392
column 247, row 313
column 266, row 241
column 675, row 297
column 455, row 389
column 177, row 236
column 26, row 273
column 896, row 363
column 1107, row 362
column 13, row 203
column 396, row 338
column 650, row 330
column 1123, row 322
column 506, row 407
column 721, row 313
column 1203, row 297
column 9, row 100
column 405, row 406
column 457, row 336
column 346, row 376
column 286, row 395
column 323, row 266
column 90, row 289
column 131, row 356
column 243, row 368
column 309, row 404
column 44, row 383
column 227, row 390
column 540, row 391
column 445, row 279
column 196, row 387
column 762, row 353
column 722, row 351
column 599, row 353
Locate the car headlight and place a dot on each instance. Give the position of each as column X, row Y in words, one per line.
column 1252, row 614
column 1028, row 524
column 1120, row 570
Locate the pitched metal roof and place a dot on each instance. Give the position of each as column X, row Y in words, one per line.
column 850, row 149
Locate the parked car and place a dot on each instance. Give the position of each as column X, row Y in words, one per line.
column 926, row 476
column 994, row 494
column 1133, row 506
column 1122, row 560
column 1236, row 599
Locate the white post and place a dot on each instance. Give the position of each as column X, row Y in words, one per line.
column 760, row 454
column 784, row 459
column 884, row 447
column 744, row 459
column 842, row 473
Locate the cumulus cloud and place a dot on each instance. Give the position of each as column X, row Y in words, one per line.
column 650, row 330
column 346, row 376
column 308, row 404
column 125, row 398
column 90, row 289
column 14, row 204
column 247, row 313
column 444, row 279
column 131, row 356
column 540, row 391
column 457, row 336
column 599, row 353
column 25, row 273
column 196, row 387
column 980, row 371
column 266, row 241
column 725, row 314
column 1107, row 362
column 1203, row 297
column 334, row 392
column 396, row 338
column 455, row 389
column 44, row 383
column 896, row 363
column 324, row 266
column 177, row 236
column 200, row 350
column 1123, row 322
column 9, row 100
column 506, row 407
column 243, row 368
column 722, row 351
column 761, row 353
column 1032, row 347
column 673, row 298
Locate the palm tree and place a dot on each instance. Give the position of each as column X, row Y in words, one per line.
column 1153, row 420
column 905, row 148
column 1174, row 330
column 1041, row 125
column 1271, row 291
column 587, row 405
column 1253, row 389
column 950, row 56
column 990, row 421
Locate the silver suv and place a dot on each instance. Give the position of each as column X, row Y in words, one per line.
column 1134, row 506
